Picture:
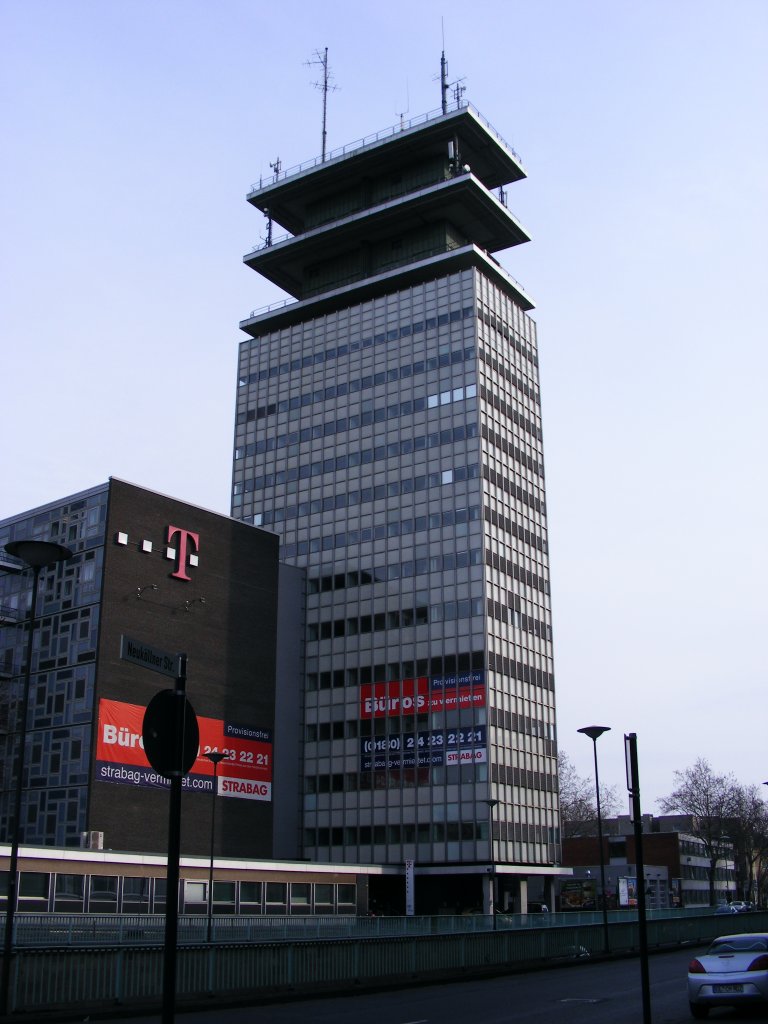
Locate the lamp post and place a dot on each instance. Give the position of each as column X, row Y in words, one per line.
column 594, row 732
column 215, row 757
column 37, row 554
column 491, row 804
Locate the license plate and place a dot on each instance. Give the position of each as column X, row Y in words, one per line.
column 717, row 989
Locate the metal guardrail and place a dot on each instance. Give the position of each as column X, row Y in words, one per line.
column 55, row 930
column 127, row 974
column 68, row 930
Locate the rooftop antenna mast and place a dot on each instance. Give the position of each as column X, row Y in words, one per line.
column 445, row 85
column 443, row 74
column 325, row 87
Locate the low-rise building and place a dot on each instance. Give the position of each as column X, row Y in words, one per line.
column 676, row 867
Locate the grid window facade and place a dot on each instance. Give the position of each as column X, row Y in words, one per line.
column 400, row 460
column 60, row 723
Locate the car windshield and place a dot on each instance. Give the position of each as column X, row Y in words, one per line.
column 740, row 944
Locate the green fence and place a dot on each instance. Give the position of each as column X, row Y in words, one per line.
column 95, row 978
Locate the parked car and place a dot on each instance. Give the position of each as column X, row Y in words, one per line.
column 725, row 908
column 732, row 972
column 741, row 906
column 573, row 953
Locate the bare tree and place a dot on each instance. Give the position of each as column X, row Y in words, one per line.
column 578, row 807
column 749, row 831
column 711, row 801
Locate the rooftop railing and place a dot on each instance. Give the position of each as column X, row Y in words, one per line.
column 369, row 140
column 281, row 303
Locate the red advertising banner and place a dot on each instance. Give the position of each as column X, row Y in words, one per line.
column 246, row 773
column 399, row 697
column 414, row 696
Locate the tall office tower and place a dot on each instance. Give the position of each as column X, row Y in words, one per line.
column 389, row 430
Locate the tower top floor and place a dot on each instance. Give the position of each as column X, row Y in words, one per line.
column 459, row 140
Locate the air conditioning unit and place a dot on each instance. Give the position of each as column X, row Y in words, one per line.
column 92, row 840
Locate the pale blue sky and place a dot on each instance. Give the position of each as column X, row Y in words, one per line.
column 132, row 131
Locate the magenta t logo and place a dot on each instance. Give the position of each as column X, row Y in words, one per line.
column 184, row 552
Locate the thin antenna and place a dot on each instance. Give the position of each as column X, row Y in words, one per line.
column 277, row 166
column 325, row 87
column 444, row 82
column 445, row 85
column 407, row 110
column 443, row 71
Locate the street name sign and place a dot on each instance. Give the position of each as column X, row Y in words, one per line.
column 150, row 657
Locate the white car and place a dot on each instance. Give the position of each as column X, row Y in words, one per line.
column 732, row 972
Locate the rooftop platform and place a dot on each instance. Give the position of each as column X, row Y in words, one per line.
column 492, row 161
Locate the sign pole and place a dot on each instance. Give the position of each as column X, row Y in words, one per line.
column 174, row 849
column 633, row 785
column 410, row 896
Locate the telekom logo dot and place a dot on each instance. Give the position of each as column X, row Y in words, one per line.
column 184, row 552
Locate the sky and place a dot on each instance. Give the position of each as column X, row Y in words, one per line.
column 132, row 132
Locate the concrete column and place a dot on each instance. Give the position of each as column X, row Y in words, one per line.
column 523, row 890
column 549, row 894
column 488, row 881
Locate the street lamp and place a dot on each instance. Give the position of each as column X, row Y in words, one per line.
column 37, row 554
column 491, row 804
column 594, row 732
column 215, row 757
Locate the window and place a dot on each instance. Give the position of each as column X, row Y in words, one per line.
column 161, row 888
column 276, row 897
column 223, row 897
column 346, row 896
column 250, row 897
column 323, row 898
column 69, row 893
column 103, row 897
column 300, row 897
column 135, row 895
column 195, row 897
column 33, row 891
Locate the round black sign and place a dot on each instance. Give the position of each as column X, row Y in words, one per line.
column 171, row 734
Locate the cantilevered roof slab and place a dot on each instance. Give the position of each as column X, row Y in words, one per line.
column 462, row 202
column 283, row 314
column 481, row 148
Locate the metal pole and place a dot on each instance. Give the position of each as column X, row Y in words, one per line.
column 210, row 866
column 634, row 778
column 606, row 944
column 215, row 757
column 174, row 851
column 21, row 728
column 491, row 804
column 595, row 731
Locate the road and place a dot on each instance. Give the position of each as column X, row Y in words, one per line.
column 585, row 993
